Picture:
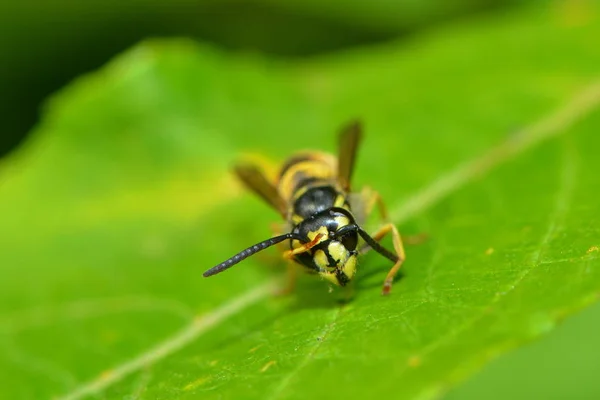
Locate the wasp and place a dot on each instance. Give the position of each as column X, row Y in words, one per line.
column 313, row 194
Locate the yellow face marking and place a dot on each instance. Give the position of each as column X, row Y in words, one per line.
column 320, row 259
column 350, row 267
column 345, row 262
column 328, row 276
column 338, row 252
column 323, row 230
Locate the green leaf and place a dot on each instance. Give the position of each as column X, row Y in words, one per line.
column 484, row 137
column 539, row 370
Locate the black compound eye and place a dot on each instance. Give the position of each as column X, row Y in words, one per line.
column 350, row 240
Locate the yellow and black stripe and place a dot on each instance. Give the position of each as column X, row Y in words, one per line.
column 308, row 181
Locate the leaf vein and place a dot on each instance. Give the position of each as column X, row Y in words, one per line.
column 172, row 344
column 547, row 127
column 561, row 203
column 309, row 355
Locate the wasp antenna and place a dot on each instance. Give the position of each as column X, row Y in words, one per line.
column 247, row 253
column 376, row 246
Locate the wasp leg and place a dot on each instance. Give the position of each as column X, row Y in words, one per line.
column 370, row 199
column 399, row 249
column 375, row 199
column 305, row 247
column 363, row 202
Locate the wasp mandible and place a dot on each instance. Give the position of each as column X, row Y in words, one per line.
column 313, row 194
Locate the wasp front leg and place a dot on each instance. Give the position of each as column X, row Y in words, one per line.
column 375, row 199
column 398, row 248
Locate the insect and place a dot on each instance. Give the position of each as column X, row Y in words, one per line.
column 313, row 194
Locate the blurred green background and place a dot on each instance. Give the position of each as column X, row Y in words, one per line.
column 46, row 45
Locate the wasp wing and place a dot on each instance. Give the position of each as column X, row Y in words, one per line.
column 350, row 137
column 255, row 180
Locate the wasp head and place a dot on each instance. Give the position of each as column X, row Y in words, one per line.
column 334, row 254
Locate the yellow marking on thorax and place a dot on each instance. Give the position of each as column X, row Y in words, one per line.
column 340, row 200
column 299, row 192
column 296, row 219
